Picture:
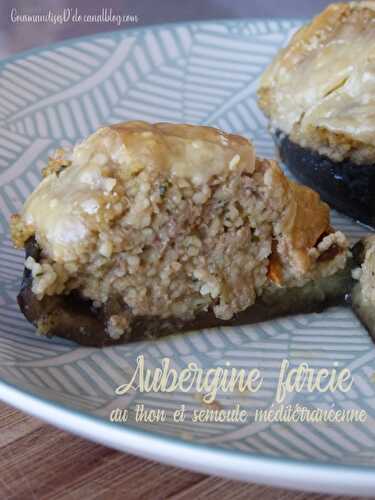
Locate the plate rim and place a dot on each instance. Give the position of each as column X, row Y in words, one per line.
column 307, row 475
column 284, row 472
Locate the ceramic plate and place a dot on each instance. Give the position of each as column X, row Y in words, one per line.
column 200, row 73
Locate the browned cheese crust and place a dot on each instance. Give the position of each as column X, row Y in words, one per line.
column 320, row 89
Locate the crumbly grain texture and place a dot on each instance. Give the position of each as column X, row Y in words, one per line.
column 170, row 221
column 320, row 89
column 366, row 273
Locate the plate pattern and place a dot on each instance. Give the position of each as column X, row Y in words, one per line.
column 201, row 73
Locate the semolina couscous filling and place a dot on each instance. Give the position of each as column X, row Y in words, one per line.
column 170, row 221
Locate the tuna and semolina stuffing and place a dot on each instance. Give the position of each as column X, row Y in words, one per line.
column 171, row 221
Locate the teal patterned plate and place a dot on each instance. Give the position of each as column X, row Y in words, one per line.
column 205, row 73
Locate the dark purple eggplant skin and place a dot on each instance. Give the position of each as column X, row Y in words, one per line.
column 345, row 186
column 76, row 319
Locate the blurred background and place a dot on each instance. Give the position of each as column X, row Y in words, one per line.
column 16, row 36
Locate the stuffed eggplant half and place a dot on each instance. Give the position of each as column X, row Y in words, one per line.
column 143, row 230
column 319, row 95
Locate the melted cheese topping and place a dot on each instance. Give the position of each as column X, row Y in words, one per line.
column 63, row 209
column 325, row 78
column 186, row 151
column 67, row 209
